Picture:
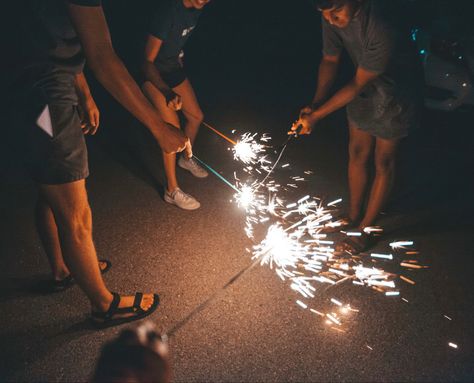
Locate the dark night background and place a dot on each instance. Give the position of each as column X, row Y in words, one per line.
column 253, row 64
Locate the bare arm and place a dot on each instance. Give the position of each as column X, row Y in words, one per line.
column 93, row 32
column 341, row 98
column 88, row 110
column 326, row 77
column 152, row 73
column 346, row 94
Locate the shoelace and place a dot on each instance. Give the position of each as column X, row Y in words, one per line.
column 193, row 163
column 183, row 195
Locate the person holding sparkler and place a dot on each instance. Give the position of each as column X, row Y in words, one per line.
column 168, row 89
column 57, row 38
column 383, row 98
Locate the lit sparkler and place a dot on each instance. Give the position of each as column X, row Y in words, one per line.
column 294, row 245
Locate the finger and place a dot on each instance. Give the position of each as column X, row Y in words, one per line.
column 96, row 119
column 177, row 105
column 188, row 149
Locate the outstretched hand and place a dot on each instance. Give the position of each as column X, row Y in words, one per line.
column 305, row 122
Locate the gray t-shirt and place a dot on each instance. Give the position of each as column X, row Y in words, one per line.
column 51, row 52
column 378, row 40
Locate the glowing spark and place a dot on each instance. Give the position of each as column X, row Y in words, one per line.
column 453, row 345
column 245, row 197
column 316, row 312
column 407, row 280
column 353, row 234
column 335, row 202
column 301, row 304
column 247, row 149
column 382, row 256
column 336, row 302
column 401, row 244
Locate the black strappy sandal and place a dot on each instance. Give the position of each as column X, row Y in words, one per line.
column 106, row 319
column 358, row 244
column 339, row 223
column 68, row 282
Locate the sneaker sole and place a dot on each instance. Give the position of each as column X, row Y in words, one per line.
column 172, row 202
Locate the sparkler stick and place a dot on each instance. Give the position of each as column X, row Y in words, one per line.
column 216, row 174
column 218, row 133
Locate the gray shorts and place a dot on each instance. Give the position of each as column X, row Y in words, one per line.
column 384, row 115
column 49, row 133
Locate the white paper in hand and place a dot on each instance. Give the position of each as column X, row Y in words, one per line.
column 44, row 121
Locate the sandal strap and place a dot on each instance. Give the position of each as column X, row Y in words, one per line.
column 63, row 283
column 135, row 308
column 114, row 309
column 138, row 301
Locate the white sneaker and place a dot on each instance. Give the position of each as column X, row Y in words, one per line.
column 192, row 166
column 182, row 200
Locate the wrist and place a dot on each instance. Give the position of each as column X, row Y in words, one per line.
column 315, row 116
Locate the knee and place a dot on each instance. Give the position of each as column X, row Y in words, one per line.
column 196, row 118
column 385, row 164
column 358, row 154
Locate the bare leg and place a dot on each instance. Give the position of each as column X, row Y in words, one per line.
column 360, row 149
column 73, row 217
column 170, row 116
column 385, row 160
column 48, row 233
column 191, row 109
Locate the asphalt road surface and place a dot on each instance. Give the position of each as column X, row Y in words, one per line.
column 252, row 81
column 252, row 331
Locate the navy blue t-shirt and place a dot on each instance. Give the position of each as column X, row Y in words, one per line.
column 173, row 23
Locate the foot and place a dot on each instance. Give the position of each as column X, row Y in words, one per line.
column 122, row 309
column 338, row 224
column 65, row 280
column 181, row 199
column 192, row 166
column 356, row 244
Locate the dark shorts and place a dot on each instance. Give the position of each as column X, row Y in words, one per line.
column 171, row 71
column 386, row 115
column 53, row 145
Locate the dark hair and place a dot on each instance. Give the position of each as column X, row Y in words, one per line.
column 327, row 4
column 129, row 358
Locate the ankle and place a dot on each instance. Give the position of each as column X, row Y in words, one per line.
column 103, row 303
column 61, row 273
column 171, row 189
